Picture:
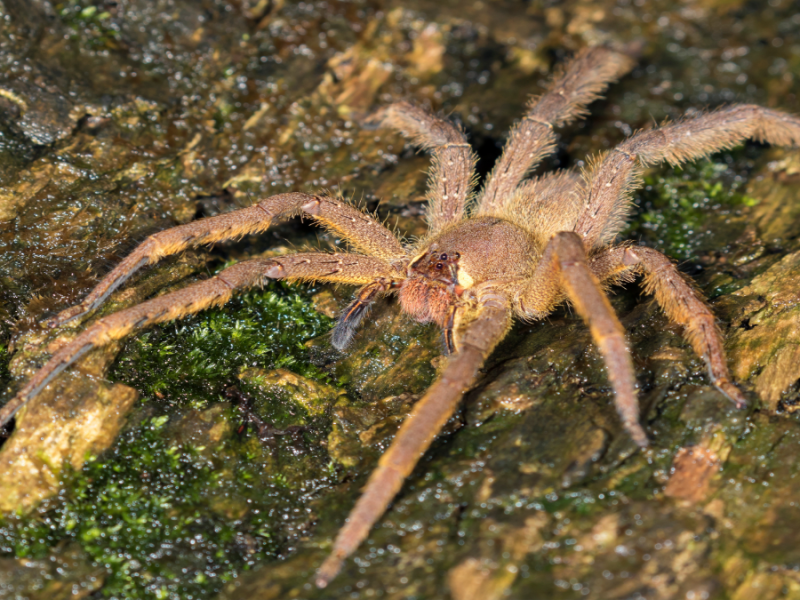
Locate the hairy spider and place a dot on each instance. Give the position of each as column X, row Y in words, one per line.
column 518, row 248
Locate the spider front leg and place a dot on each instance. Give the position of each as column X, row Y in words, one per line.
column 682, row 303
column 452, row 175
column 565, row 270
column 361, row 230
column 315, row 266
column 429, row 415
column 585, row 77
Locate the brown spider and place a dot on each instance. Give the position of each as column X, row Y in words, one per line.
column 518, row 248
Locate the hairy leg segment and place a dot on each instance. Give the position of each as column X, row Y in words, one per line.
column 452, row 175
column 612, row 179
column 216, row 291
column 361, row 230
column 421, row 427
column 565, row 255
column 585, row 77
column 682, row 303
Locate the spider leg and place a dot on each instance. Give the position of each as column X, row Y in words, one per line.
column 585, row 77
column 564, row 268
column 448, row 332
column 361, row 230
column 613, row 178
column 452, row 175
column 216, row 291
column 430, row 414
column 682, row 303
column 351, row 318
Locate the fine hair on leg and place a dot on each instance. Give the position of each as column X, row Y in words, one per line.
column 682, row 303
column 452, row 175
column 581, row 82
column 613, row 177
column 359, row 229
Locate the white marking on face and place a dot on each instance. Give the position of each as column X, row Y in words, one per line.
column 464, row 279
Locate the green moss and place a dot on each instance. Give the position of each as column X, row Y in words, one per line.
column 153, row 514
column 685, row 209
column 196, row 358
column 165, row 518
column 90, row 24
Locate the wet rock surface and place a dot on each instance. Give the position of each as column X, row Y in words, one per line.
column 252, row 437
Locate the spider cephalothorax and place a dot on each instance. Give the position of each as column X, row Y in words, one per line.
column 524, row 248
column 459, row 260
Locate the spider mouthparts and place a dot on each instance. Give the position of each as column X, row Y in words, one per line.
column 733, row 393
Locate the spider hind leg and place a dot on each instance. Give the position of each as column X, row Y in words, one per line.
column 682, row 303
column 565, row 269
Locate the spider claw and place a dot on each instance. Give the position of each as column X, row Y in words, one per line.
column 637, row 434
column 329, row 569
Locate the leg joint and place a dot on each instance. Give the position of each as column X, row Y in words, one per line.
column 537, row 120
column 275, row 271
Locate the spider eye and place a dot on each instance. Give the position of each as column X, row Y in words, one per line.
column 443, row 257
column 439, row 266
column 457, row 256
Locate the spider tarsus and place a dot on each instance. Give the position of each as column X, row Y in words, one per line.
column 329, row 569
column 637, row 434
column 733, row 393
column 65, row 316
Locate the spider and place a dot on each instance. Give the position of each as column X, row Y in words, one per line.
column 517, row 248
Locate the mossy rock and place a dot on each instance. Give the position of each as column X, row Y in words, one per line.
column 118, row 123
